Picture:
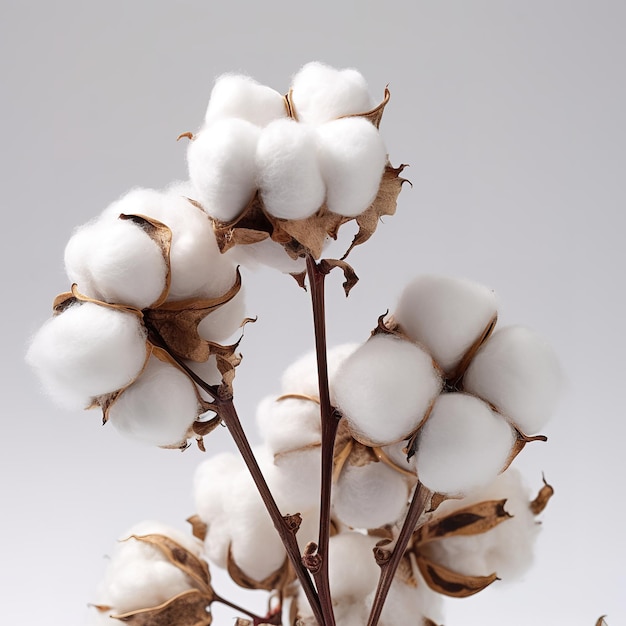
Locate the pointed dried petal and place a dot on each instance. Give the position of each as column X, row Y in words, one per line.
column 198, row 527
column 326, row 265
column 450, row 583
column 542, row 499
column 276, row 580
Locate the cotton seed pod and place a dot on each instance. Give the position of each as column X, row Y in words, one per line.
column 517, row 372
column 385, row 389
column 88, row 350
column 158, row 408
column 289, row 176
column 446, row 315
column 222, row 167
column 352, row 569
column 370, row 496
column 352, row 157
column 463, row 445
column 242, row 97
column 117, row 261
column 320, row 93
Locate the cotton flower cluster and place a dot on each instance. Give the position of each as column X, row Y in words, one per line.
column 150, row 260
column 262, row 160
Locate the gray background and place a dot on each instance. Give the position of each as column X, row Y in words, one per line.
column 511, row 115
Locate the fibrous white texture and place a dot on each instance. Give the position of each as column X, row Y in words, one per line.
column 370, row 496
column 446, row 315
column 139, row 575
column 289, row 176
column 86, row 351
column 266, row 253
column 352, row 159
column 352, row 569
column 517, row 372
column 222, row 167
column 224, row 321
column 463, row 445
column 158, row 408
column 295, row 479
column 506, row 549
column 321, row 93
column 237, row 96
column 385, row 388
column 116, row 261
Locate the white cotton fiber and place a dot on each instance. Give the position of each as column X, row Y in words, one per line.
column 289, row 176
column 266, row 253
column 517, row 372
column 242, row 97
column 352, row 157
column 288, row 424
column 117, row 261
column 352, row 569
column 221, row 161
column 88, row 350
column 370, row 496
column 506, row 549
column 446, row 315
column 224, row 321
column 385, row 389
column 321, row 93
column 463, row 445
column 295, row 479
column 158, row 408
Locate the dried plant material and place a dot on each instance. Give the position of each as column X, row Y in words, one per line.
column 279, row 579
column 406, row 571
column 429, row 622
column 601, row 621
column 187, row 608
column 376, row 114
column 198, row 527
column 520, row 441
column 450, row 583
column 466, row 359
column 326, row 265
column 543, row 497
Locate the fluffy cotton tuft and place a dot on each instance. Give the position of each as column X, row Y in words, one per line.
column 517, row 372
column 321, row 93
column 385, row 389
column 294, row 478
column 352, row 569
column 87, row 351
column 158, row 408
column 266, row 253
column 289, row 176
column 242, row 97
column 352, row 158
column 116, row 261
column 463, row 445
column 221, row 161
column 446, row 315
column 370, row 496
column 224, row 321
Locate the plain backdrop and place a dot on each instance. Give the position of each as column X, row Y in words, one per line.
column 511, row 116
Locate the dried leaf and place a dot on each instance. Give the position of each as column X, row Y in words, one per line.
column 326, row 265
column 465, row 361
column 276, row 580
column 542, row 499
column 601, row 621
column 471, row 520
column 198, row 527
column 449, row 583
column 520, row 441
column 187, row 608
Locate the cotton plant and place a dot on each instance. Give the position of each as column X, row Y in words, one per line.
column 383, row 479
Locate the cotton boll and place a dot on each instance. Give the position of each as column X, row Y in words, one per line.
column 123, row 264
column 446, row 315
column 518, row 372
column 352, row 569
column 385, row 389
column 352, row 159
column 295, row 482
column 321, row 93
column 288, row 424
column 88, row 350
column 370, row 496
column 289, row 177
column 463, row 445
column 158, row 408
column 242, row 97
column 224, row 321
column 397, row 453
column 221, row 161
column 266, row 253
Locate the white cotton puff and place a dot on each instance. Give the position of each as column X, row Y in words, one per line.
column 352, row 157
column 158, row 408
column 352, row 569
column 289, row 176
column 446, row 315
column 506, row 549
column 519, row 373
column 222, row 167
column 88, row 350
column 301, row 376
column 139, row 575
column 288, row 424
column 117, row 262
column 224, row 321
column 295, row 479
column 321, row 93
column 370, row 496
column 385, row 389
column 463, row 445
column 397, row 453
column 266, row 253
column 242, row 97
